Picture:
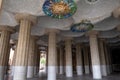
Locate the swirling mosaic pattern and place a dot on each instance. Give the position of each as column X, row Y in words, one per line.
column 83, row 26
column 59, row 8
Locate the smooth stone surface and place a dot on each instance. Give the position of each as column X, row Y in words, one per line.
column 69, row 72
column 96, row 72
column 79, row 70
column 51, row 73
column 87, row 70
column 104, row 70
column 20, row 73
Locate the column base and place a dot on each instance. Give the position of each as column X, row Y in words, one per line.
column 12, row 70
column 57, row 70
column 96, row 72
column 69, row 72
column 30, row 72
column 61, row 69
column 2, row 72
column 35, row 70
column 103, row 70
column 87, row 70
column 20, row 73
column 46, row 69
column 111, row 69
column 38, row 69
column 51, row 73
column 79, row 70
column 108, row 69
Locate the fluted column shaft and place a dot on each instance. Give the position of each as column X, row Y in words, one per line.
column 4, row 46
column 1, row 4
column 14, row 59
column 35, row 60
column 46, row 70
column 68, row 50
column 95, row 56
column 7, row 66
column 30, row 70
column 21, row 62
column 52, row 56
column 110, row 60
column 61, row 60
column 38, row 61
column 102, row 59
column 107, row 58
column 79, row 60
column 86, row 60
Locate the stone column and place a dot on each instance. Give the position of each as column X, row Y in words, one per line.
column 1, row 4
column 7, row 66
column 21, row 62
column 107, row 59
column 57, row 60
column 30, row 70
column 35, row 59
column 102, row 58
column 52, row 55
column 14, row 59
column 61, row 60
column 95, row 55
column 68, row 51
column 4, row 46
column 64, row 60
column 79, row 60
column 46, row 60
column 86, row 60
column 38, row 60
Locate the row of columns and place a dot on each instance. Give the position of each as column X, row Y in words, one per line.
column 32, row 57
column 25, row 49
column 4, row 49
column 86, row 60
column 68, row 50
column 25, row 53
column 20, row 71
column 97, row 56
column 79, row 60
column 52, row 55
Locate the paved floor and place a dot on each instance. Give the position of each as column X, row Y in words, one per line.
column 84, row 77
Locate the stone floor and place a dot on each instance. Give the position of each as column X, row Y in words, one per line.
column 84, row 77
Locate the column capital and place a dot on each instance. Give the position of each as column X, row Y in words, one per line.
column 116, row 12
column 52, row 30
column 93, row 33
column 6, row 28
column 28, row 17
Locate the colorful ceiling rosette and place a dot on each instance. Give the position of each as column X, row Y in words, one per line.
column 83, row 26
column 59, row 9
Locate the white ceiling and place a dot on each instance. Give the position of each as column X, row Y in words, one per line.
column 100, row 14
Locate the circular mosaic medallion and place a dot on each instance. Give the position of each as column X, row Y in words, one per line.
column 83, row 26
column 59, row 8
